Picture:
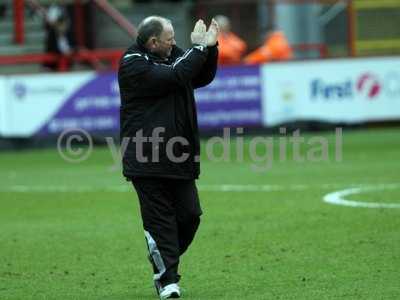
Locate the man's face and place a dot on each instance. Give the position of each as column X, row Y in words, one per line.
column 164, row 43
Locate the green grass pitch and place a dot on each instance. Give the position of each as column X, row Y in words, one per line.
column 73, row 231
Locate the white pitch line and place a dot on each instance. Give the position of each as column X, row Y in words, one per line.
column 338, row 197
column 63, row 189
column 201, row 187
column 249, row 187
column 127, row 188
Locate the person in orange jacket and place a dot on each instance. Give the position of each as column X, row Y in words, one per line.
column 231, row 47
column 275, row 48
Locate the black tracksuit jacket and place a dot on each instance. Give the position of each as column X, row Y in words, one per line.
column 158, row 93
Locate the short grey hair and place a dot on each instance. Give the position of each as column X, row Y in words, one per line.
column 151, row 26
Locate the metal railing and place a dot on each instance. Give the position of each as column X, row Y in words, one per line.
column 94, row 57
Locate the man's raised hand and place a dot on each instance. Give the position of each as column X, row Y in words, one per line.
column 199, row 34
column 212, row 33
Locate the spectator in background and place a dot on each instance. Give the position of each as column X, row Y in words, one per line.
column 231, row 47
column 3, row 10
column 275, row 48
column 58, row 33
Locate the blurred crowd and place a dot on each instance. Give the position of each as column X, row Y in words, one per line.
column 233, row 49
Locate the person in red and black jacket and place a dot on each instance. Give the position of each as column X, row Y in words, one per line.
column 160, row 139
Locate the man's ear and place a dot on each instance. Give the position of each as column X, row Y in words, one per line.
column 153, row 42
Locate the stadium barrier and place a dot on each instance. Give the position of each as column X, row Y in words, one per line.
column 335, row 91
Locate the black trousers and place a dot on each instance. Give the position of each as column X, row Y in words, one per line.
column 170, row 210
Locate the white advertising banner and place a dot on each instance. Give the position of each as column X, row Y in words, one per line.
column 338, row 90
column 3, row 105
column 33, row 100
